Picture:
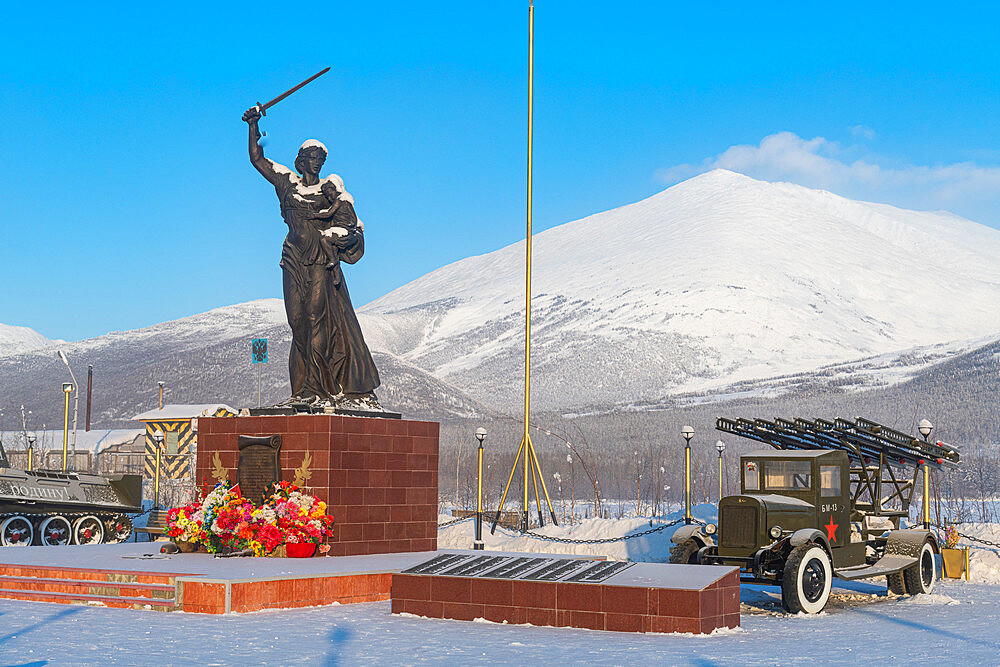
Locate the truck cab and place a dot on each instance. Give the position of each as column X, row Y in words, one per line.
column 786, row 493
column 791, row 526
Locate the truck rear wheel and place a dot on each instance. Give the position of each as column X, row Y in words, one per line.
column 895, row 583
column 806, row 580
column 919, row 577
column 685, row 553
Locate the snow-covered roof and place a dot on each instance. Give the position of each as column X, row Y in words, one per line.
column 790, row 453
column 183, row 411
column 95, row 441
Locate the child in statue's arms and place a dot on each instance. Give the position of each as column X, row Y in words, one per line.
column 341, row 219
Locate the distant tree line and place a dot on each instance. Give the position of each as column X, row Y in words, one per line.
column 638, row 456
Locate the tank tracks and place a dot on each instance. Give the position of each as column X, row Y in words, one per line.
column 54, row 529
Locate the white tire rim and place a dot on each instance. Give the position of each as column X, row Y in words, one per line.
column 88, row 523
column 7, row 531
column 818, row 556
column 926, row 551
column 49, row 532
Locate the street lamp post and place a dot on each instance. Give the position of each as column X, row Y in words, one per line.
column 721, row 446
column 688, row 433
column 76, row 401
column 478, row 544
column 31, row 451
column 158, row 439
column 67, row 389
column 925, row 428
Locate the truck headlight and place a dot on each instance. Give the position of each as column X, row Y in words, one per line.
column 775, row 532
column 710, row 528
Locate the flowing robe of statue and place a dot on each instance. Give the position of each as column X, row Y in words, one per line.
column 329, row 361
column 329, row 356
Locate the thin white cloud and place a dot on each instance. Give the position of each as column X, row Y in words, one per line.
column 863, row 131
column 965, row 188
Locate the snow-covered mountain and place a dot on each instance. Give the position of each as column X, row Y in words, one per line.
column 718, row 280
column 14, row 340
column 721, row 287
column 204, row 358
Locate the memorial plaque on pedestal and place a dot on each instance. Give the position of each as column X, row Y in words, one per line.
column 259, row 464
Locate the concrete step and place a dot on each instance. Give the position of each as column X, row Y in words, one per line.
column 88, row 587
column 89, row 574
column 99, row 600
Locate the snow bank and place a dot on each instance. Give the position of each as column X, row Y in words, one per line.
column 932, row 599
column 652, row 548
column 984, row 567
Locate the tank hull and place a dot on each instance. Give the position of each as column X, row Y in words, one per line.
column 52, row 507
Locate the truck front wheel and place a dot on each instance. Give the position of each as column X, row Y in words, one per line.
column 686, row 552
column 806, row 580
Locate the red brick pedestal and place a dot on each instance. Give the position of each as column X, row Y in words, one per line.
column 377, row 476
column 647, row 597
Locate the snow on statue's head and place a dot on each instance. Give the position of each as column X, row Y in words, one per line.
column 309, row 148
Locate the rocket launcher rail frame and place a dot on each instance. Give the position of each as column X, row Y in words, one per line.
column 864, row 441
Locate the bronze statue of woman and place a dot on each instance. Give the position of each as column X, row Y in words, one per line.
column 329, row 364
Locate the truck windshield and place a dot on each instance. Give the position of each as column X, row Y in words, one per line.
column 787, row 475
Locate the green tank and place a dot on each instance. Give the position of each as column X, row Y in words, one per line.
column 52, row 508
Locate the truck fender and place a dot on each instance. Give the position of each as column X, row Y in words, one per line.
column 808, row 535
column 909, row 541
column 706, row 553
column 691, row 532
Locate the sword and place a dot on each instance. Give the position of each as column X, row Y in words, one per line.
column 264, row 107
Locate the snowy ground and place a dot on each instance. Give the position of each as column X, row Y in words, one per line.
column 654, row 547
column 862, row 623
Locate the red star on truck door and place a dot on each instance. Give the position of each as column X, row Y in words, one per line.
column 831, row 530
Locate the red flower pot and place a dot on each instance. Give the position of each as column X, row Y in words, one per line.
column 300, row 550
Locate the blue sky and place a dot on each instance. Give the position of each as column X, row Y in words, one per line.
column 126, row 196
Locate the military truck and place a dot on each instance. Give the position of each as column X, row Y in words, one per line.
column 51, row 508
column 826, row 501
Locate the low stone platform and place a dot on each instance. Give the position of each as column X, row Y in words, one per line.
column 137, row 576
column 634, row 597
column 582, row 592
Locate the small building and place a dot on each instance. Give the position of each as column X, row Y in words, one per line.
column 179, row 426
column 96, row 451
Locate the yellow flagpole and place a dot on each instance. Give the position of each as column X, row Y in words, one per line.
column 530, row 458
column 527, row 272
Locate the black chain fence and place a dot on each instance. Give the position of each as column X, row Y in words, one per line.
column 454, row 521
column 978, row 539
column 971, row 538
column 567, row 540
